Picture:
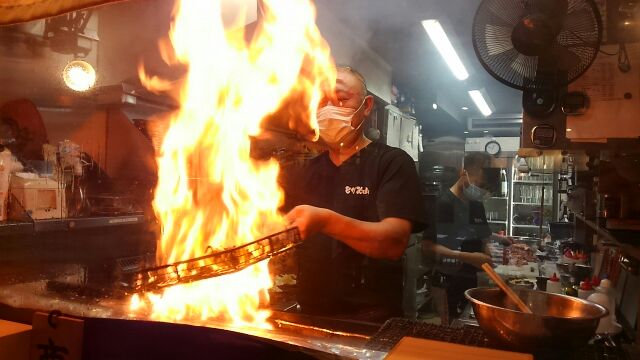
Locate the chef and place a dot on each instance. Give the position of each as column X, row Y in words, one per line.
column 357, row 204
column 461, row 232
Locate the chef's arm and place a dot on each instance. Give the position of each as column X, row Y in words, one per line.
column 504, row 240
column 430, row 248
column 385, row 239
column 485, row 246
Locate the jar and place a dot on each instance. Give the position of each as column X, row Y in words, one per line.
column 609, row 206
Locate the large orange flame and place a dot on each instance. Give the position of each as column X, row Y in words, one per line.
column 210, row 191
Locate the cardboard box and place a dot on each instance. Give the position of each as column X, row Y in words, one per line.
column 14, row 340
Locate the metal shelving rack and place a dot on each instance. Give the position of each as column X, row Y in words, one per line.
column 500, row 205
column 547, row 180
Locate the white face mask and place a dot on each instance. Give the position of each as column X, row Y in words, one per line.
column 335, row 123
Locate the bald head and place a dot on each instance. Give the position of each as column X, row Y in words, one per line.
column 351, row 77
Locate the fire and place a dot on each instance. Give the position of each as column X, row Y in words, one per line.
column 210, row 193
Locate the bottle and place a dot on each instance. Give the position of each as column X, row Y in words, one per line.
column 570, row 166
column 8, row 165
column 585, row 290
column 553, row 285
column 4, row 189
column 563, row 185
column 564, row 167
column 504, row 184
column 605, row 296
column 565, row 217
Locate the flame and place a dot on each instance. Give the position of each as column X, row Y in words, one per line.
column 210, row 192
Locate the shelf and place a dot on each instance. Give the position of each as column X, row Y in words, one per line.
column 612, row 237
column 519, row 203
column 529, row 226
column 10, row 227
column 496, row 222
column 68, row 224
column 533, row 182
column 498, row 198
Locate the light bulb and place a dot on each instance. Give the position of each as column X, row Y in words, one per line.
column 79, row 75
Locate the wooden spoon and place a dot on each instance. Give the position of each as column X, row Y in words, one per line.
column 507, row 290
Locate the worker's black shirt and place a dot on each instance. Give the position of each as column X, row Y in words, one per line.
column 376, row 183
column 462, row 225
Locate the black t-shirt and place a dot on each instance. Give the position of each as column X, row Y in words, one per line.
column 461, row 225
column 376, row 183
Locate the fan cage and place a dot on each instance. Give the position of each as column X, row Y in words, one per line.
column 577, row 43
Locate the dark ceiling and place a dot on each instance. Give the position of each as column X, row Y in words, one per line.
column 391, row 27
column 394, row 30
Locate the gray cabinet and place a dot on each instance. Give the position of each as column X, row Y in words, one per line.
column 402, row 131
column 409, row 136
column 393, row 126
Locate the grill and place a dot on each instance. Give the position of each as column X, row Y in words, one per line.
column 134, row 277
column 395, row 329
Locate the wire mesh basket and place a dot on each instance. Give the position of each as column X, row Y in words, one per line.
column 211, row 265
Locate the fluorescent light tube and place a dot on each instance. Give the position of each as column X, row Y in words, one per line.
column 480, row 102
column 448, row 53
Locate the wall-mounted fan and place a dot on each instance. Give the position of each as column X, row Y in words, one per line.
column 539, row 47
column 537, row 44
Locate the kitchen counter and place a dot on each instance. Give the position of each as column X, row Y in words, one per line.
column 300, row 336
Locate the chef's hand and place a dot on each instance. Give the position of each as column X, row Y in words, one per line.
column 310, row 220
column 430, row 248
column 504, row 240
column 476, row 259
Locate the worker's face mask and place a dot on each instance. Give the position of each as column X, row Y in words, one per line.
column 335, row 123
column 474, row 192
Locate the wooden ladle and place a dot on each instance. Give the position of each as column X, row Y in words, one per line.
column 507, row 290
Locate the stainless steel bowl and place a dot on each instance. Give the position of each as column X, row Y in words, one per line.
column 578, row 272
column 557, row 321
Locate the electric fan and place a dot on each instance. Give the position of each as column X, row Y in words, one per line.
column 534, row 45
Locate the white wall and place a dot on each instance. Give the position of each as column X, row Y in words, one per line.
column 349, row 49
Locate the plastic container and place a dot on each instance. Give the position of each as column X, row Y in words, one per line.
column 8, row 165
column 553, row 285
column 605, row 296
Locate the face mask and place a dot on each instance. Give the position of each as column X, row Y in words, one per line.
column 473, row 192
column 335, row 123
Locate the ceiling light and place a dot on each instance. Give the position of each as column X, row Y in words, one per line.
column 480, row 102
column 465, row 108
column 79, row 75
column 435, row 106
column 466, row 132
column 485, row 131
column 448, row 53
column 569, row 130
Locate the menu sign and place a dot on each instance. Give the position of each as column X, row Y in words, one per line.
column 56, row 337
column 614, row 98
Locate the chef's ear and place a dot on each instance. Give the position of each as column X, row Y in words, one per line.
column 368, row 105
column 464, row 174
